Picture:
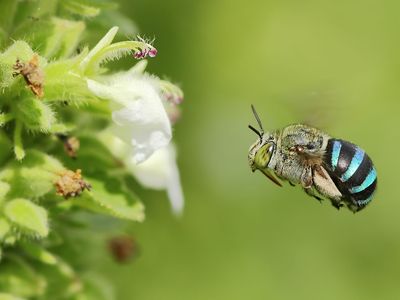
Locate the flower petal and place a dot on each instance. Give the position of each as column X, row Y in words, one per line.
column 138, row 112
column 159, row 172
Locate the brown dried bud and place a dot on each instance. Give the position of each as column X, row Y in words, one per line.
column 71, row 146
column 71, row 184
column 122, row 248
column 32, row 73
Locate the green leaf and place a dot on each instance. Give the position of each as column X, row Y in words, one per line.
column 62, row 286
column 31, row 182
column 4, row 189
column 35, row 31
column 8, row 9
column 108, row 195
column 82, row 8
column 109, row 18
column 19, row 279
column 18, row 147
column 93, row 157
column 39, row 253
column 4, row 296
column 34, row 24
column 65, row 37
column 36, row 9
column 4, row 228
column 18, row 50
column 27, row 216
column 35, row 114
column 3, row 38
column 6, row 148
column 62, row 128
column 10, row 240
column 64, row 81
column 111, row 199
column 96, row 288
column 4, row 118
column 33, row 177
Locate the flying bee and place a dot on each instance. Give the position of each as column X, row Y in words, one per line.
column 325, row 167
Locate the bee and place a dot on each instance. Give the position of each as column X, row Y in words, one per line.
column 325, row 167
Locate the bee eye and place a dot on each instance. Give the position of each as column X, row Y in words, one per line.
column 263, row 155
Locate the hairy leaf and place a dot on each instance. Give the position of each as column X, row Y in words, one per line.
column 27, row 216
column 18, row 278
column 33, row 177
column 111, row 200
column 65, row 37
column 36, row 115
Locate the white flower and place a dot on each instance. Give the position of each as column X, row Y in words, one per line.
column 139, row 103
column 138, row 113
column 160, row 172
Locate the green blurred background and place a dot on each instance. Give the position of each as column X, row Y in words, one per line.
column 334, row 64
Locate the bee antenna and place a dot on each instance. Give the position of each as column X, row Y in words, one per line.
column 258, row 120
column 256, row 131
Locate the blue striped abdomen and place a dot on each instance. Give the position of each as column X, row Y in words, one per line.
column 352, row 171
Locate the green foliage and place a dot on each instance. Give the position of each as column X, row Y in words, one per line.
column 64, row 45
column 19, row 278
column 112, row 200
column 27, row 216
column 18, row 50
column 53, row 163
column 36, row 115
column 34, row 177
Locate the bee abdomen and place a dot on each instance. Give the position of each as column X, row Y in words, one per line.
column 352, row 171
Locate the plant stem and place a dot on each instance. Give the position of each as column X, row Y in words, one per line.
column 18, row 147
column 4, row 118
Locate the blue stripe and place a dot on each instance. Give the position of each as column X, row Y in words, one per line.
column 366, row 183
column 335, row 154
column 355, row 163
column 366, row 201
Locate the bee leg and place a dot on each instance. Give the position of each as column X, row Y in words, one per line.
column 307, row 178
column 291, row 183
column 337, row 204
column 325, row 186
column 307, row 182
column 311, row 192
column 318, row 198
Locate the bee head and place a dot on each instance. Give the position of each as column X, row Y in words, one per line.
column 261, row 151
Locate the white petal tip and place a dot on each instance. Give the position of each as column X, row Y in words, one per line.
column 177, row 211
column 175, row 193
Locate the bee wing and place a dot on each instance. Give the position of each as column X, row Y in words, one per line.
column 324, row 183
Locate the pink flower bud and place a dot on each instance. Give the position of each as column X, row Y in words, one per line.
column 152, row 52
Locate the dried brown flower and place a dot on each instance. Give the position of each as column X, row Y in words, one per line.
column 71, row 144
column 32, row 73
column 122, row 248
column 71, row 184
